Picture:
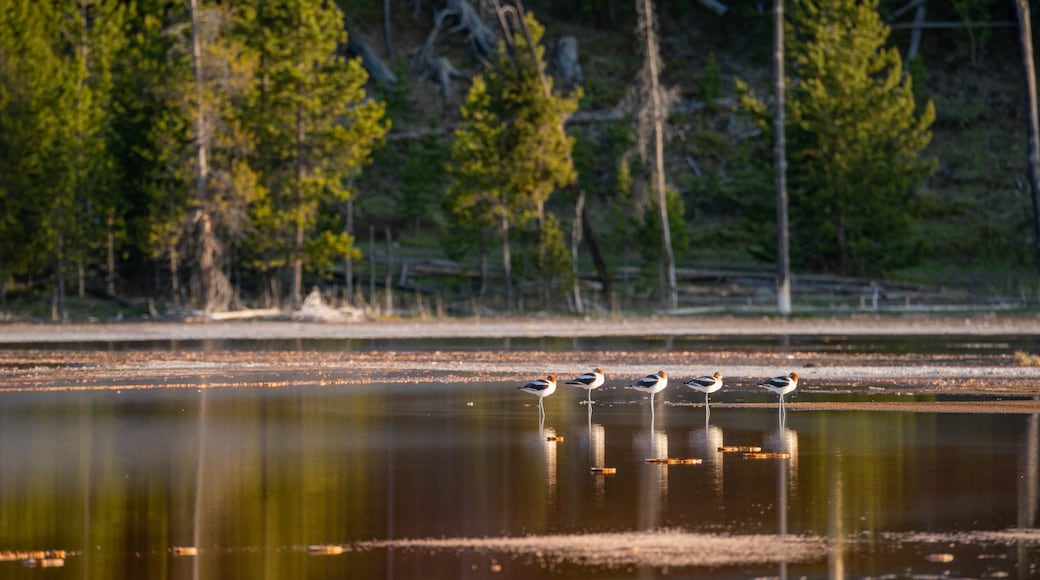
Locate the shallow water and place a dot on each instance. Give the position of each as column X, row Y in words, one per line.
column 253, row 477
column 881, row 344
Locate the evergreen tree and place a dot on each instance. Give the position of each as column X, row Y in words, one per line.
column 90, row 34
column 314, row 126
column 511, row 152
column 31, row 74
column 855, row 136
column 151, row 133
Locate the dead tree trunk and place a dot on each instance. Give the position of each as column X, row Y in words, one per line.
column 388, row 35
column 579, row 211
column 659, row 110
column 507, row 259
column 915, row 36
column 1026, row 38
column 589, row 238
column 783, row 267
column 204, row 263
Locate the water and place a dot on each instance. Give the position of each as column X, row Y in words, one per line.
column 257, row 478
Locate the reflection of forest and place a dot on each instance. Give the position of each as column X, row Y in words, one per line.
column 250, row 476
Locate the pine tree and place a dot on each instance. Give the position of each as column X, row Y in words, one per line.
column 315, row 130
column 511, row 152
column 90, row 34
column 152, row 131
column 854, row 141
column 29, row 70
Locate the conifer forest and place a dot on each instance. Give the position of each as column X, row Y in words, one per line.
column 164, row 157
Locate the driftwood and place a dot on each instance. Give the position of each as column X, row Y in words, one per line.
column 441, row 70
column 915, row 36
column 567, row 61
column 586, row 117
column 715, row 6
column 377, row 69
column 924, row 25
column 481, row 36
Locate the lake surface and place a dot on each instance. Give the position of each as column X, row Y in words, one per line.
column 256, row 479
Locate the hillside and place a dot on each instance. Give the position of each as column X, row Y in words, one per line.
column 976, row 228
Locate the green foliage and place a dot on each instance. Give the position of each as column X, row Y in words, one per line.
column 55, row 132
column 709, row 84
column 975, row 14
column 511, row 151
column 854, row 142
column 550, row 260
column 30, row 75
column 649, row 235
column 919, row 73
column 315, row 129
column 421, row 178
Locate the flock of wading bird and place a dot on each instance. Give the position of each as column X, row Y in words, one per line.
column 656, row 383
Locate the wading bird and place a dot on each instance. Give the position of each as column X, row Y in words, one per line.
column 542, row 388
column 781, row 386
column 652, row 384
column 706, row 384
column 589, row 381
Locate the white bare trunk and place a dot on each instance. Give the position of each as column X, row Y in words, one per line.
column 659, row 110
column 1026, row 38
column 783, row 268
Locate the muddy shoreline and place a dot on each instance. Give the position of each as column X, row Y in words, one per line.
column 36, row 357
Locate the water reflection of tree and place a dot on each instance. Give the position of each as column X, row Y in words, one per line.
column 705, row 443
column 783, row 440
column 1028, row 490
column 595, row 443
column 653, row 478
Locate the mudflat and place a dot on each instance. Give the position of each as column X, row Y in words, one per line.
column 36, row 357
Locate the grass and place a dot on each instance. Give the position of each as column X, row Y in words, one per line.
column 1025, row 359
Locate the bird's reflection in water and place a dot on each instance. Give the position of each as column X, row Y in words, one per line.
column 595, row 440
column 653, row 479
column 705, row 443
column 783, row 440
column 1028, row 490
column 549, row 444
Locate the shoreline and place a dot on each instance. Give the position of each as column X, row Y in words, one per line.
column 38, row 357
column 524, row 327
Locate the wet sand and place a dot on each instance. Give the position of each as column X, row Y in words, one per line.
column 37, row 361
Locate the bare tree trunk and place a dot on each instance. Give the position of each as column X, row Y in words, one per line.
column 597, row 257
column 653, row 60
column 388, row 291
column 204, row 245
column 297, row 262
column 81, row 277
column 507, row 260
column 783, row 267
column 348, row 270
column 371, row 265
column 388, row 37
column 1033, row 170
column 579, row 211
column 175, row 283
column 110, row 261
column 483, row 268
column 62, row 313
column 918, row 31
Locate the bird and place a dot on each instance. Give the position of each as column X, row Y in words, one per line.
column 541, row 387
column 706, row 384
column 652, row 384
column 781, row 385
column 589, row 381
